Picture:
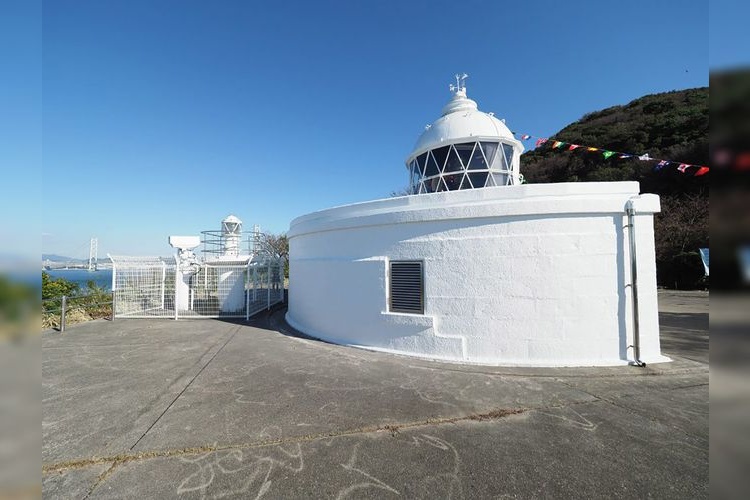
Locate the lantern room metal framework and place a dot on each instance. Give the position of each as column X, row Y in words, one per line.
column 464, row 149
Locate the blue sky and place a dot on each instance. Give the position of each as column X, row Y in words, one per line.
column 729, row 44
column 162, row 117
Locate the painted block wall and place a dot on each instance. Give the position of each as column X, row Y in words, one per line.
column 522, row 275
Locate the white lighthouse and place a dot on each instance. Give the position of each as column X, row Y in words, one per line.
column 231, row 234
column 476, row 267
column 464, row 149
column 227, row 280
column 229, row 265
column 217, row 282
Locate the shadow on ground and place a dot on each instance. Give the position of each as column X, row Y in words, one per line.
column 222, row 408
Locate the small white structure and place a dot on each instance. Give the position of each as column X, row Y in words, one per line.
column 187, row 267
column 489, row 270
column 229, row 265
column 231, row 234
column 225, row 282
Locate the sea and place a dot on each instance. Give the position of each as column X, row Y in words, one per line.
column 102, row 277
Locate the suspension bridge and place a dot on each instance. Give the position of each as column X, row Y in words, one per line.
column 79, row 260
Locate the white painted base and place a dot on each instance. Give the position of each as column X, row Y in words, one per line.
column 531, row 275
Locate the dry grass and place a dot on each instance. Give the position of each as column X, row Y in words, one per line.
column 73, row 316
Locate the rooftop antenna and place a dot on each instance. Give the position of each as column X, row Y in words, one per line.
column 460, row 86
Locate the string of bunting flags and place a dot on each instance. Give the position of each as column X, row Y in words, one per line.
column 685, row 168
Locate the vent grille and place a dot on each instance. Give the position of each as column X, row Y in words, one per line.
column 407, row 287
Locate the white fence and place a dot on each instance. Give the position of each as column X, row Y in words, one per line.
column 154, row 287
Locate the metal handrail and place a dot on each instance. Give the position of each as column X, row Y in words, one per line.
column 67, row 301
column 70, row 297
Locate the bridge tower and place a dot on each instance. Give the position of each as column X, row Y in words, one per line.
column 93, row 251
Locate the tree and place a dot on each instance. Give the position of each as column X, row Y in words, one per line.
column 16, row 301
column 681, row 229
column 672, row 125
column 277, row 244
column 54, row 288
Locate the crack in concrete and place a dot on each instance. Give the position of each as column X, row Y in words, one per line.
column 120, row 459
column 632, row 411
column 103, row 476
column 117, row 460
column 186, row 387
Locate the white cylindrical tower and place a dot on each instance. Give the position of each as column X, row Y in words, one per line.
column 231, row 234
column 464, row 149
column 534, row 275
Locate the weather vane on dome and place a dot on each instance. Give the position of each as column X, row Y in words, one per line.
column 460, row 85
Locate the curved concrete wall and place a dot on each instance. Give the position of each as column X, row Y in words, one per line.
column 521, row 275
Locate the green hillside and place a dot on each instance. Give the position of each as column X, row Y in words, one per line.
column 672, row 126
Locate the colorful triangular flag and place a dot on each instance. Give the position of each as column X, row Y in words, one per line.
column 683, row 167
column 660, row 165
column 701, row 171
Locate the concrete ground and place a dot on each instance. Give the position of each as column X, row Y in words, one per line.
column 204, row 408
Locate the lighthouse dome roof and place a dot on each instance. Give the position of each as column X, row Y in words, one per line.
column 461, row 121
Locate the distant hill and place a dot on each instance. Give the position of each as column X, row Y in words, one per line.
column 60, row 258
column 672, row 126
